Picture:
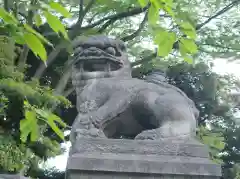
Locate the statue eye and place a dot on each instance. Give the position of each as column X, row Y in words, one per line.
column 78, row 50
column 111, row 50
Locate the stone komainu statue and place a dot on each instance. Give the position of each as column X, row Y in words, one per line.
column 112, row 104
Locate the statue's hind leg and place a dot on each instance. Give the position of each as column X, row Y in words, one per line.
column 92, row 124
column 176, row 120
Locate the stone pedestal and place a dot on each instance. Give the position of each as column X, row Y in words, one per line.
column 132, row 159
column 3, row 176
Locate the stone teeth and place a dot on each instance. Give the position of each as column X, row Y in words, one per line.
column 81, row 67
column 108, row 67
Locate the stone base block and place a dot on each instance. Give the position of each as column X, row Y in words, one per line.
column 3, row 176
column 130, row 159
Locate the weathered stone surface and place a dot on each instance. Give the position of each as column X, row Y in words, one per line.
column 106, row 175
column 190, row 148
column 112, row 104
column 143, row 164
column 96, row 158
column 3, row 176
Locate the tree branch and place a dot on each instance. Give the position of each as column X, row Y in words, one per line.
column 6, row 5
column 15, row 9
column 112, row 20
column 222, row 47
column 59, row 89
column 144, row 60
column 82, row 12
column 115, row 17
column 68, row 92
column 88, row 7
column 222, row 11
column 62, row 83
column 198, row 27
column 136, row 33
column 24, row 54
column 23, row 58
column 51, row 57
column 92, row 18
column 106, row 25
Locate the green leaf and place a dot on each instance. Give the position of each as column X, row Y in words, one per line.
column 188, row 59
column 18, row 37
column 51, row 122
column 43, row 39
column 189, row 45
column 165, row 41
column 56, row 129
column 8, row 18
column 185, row 55
column 56, row 24
column 218, row 161
column 182, row 49
column 60, row 9
column 153, row 15
column 168, row 2
column 188, row 29
column 50, row 119
column 143, row 3
column 35, row 45
column 38, row 20
column 58, row 120
column 157, row 4
column 214, row 142
column 24, row 129
column 169, row 10
column 167, row 6
column 35, row 132
column 29, row 126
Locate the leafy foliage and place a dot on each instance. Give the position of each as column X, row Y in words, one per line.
column 13, row 157
column 217, row 126
column 215, row 141
column 49, row 174
column 14, row 89
column 24, row 34
column 165, row 39
column 34, row 103
column 189, row 31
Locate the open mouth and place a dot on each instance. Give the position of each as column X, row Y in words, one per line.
column 96, row 61
column 94, row 64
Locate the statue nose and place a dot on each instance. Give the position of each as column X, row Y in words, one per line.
column 92, row 48
column 92, row 51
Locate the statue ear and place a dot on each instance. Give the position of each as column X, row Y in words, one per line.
column 120, row 45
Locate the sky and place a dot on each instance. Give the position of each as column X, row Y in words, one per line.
column 223, row 67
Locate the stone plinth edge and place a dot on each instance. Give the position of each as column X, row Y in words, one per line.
column 7, row 176
column 132, row 157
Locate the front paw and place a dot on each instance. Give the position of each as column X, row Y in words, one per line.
column 82, row 122
column 90, row 133
column 147, row 135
